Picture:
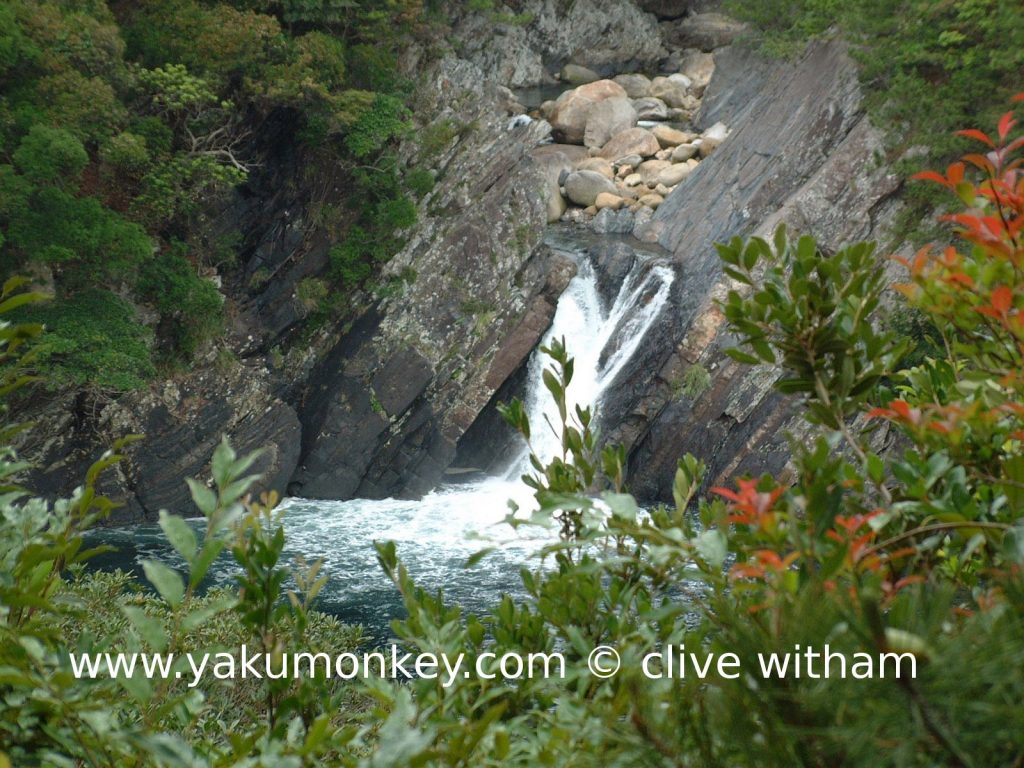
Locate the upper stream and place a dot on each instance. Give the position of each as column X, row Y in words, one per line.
column 436, row 534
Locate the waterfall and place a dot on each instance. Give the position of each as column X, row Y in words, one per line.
column 436, row 534
column 602, row 340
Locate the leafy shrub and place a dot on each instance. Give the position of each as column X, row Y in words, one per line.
column 53, row 226
column 191, row 308
column 385, row 120
column 50, row 155
column 92, row 339
column 127, row 154
column 420, row 182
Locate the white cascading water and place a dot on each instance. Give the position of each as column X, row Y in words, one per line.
column 588, row 329
column 434, row 535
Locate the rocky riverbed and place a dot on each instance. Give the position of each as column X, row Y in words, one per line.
column 620, row 146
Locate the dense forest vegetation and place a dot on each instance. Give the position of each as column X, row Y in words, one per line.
column 122, row 124
column 121, row 128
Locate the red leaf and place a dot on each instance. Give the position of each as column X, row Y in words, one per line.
column 931, row 176
column 1006, row 123
column 1002, row 299
column 974, row 133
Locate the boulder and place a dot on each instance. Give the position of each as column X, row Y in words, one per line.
column 607, row 118
column 633, row 160
column 577, row 75
column 632, row 141
column 546, row 108
column 583, row 187
column 650, row 108
column 683, row 152
column 554, row 165
column 636, row 86
column 707, row 146
column 704, row 31
column 674, row 174
column 633, row 180
column 650, row 170
column 718, row 131
column 608, row 200
column 670, row 137
column 572, row 109
column 652, row 200
column 672, row 92
column 662, row 190
column 681, row 79
column 598, row 164
column 699, row 67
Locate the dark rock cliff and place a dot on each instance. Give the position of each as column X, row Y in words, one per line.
column 388, row 401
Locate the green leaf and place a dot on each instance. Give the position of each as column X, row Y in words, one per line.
column 179, row 534
column 166, row 581
column 150, row 630
column 712, row 547
column 622, row 505
column 205, row 499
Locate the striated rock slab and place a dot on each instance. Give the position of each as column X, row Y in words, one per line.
column 383, row 411
column 800, row 151
column 182, row 423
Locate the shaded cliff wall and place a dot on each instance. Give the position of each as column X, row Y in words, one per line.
column 383, row 411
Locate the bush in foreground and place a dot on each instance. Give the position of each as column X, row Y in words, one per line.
column 907, row 563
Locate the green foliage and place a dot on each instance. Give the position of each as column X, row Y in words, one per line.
column 385, row 120
column 191, row 308
column 50, row 155
column 696, row 381
column 92, row 339
column 50, row 225
column 420, row 182
column 127, row 154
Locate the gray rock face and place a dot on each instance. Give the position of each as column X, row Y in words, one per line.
column 800, row 151
column 182, row 422
column 608, row 118
column 703, row 31
column 583, row 187
column 384, row 409
column 607, row 36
